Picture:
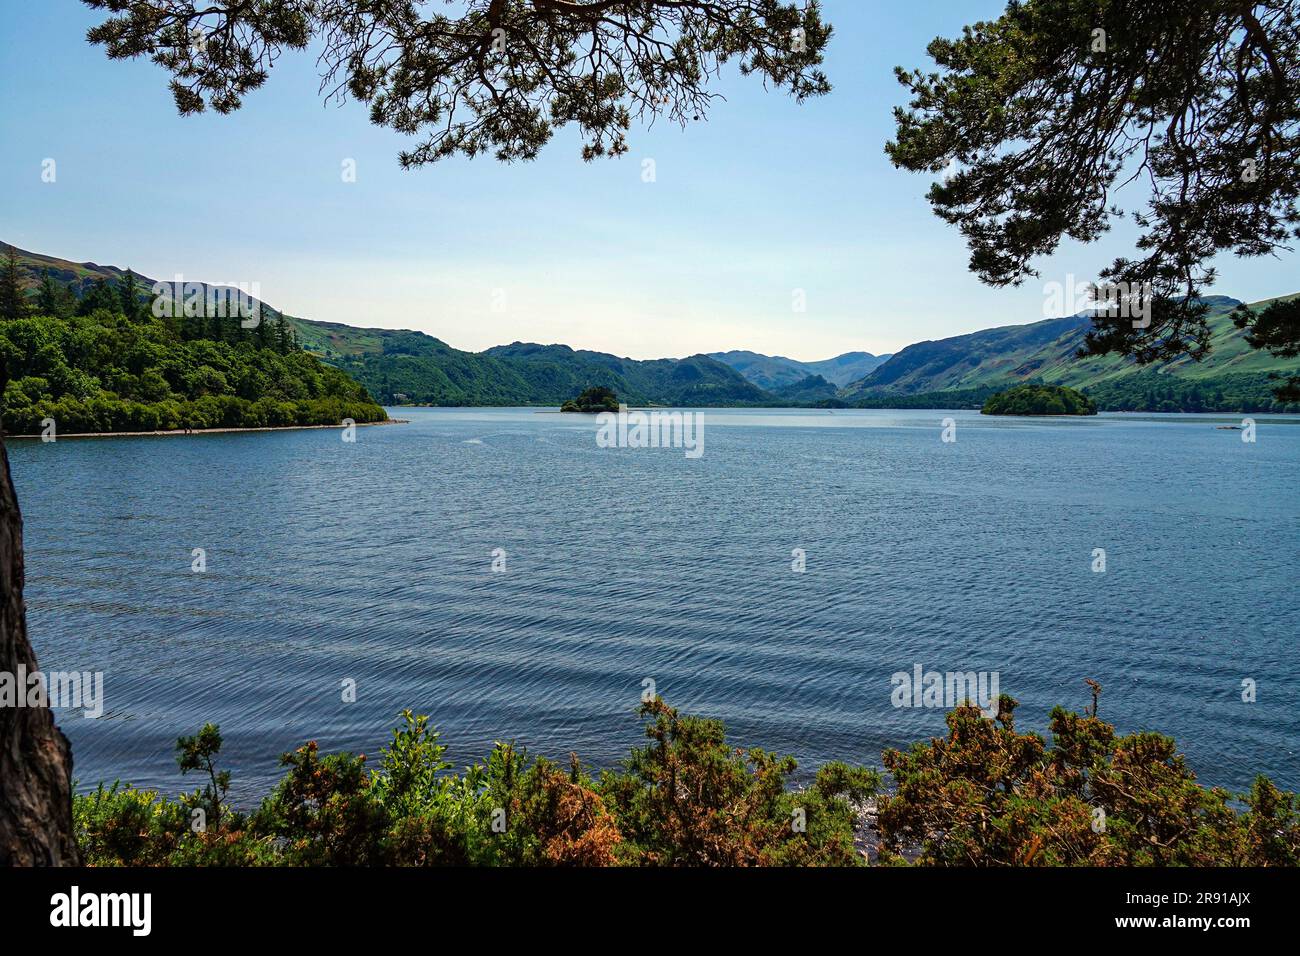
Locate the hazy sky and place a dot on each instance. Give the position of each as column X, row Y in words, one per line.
column 765, row 198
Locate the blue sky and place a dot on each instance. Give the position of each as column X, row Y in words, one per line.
column 765, row 198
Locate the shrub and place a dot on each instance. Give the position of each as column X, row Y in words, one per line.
column 985, row 795
column 690, row 799
column 989, row 796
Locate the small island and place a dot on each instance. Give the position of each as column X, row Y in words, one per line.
column 1039, row 400
column 593, row 400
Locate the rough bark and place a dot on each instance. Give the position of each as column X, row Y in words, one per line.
column 35, row 758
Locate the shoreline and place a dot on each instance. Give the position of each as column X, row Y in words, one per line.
column 205, row 431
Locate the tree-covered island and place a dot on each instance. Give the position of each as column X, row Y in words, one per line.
column 592, row 401
column 1039, row 400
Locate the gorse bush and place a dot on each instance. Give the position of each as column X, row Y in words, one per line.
column 686, row 799
column 689, row 799
column 985, row 795
column 989, row 796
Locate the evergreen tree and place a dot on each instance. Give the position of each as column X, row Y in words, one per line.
column 54, row 298
column 434, row 81
column 129, row 292
column 13, row 304
column 1214, row 125
column 101, row 295
column 281, row 335
column 262, row 333
column 216, row 327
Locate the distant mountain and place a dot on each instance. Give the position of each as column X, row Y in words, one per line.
column 1234, row 374
column 849, row 367
column 696, row 380
column 962, row 371
column 412, row 367
column 408, row 366
column 807, row 391
column 775, row 372
column 987, row 357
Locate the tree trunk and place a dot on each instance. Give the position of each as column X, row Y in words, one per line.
column 35, row 758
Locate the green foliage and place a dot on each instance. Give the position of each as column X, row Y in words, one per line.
column 988, row 796
column 324, row 812
column 509, row 810
column 54, row 298
column 419, row 369
column 1276, row 328
column 1039, row 400
column 199, row 753
column 689, row 799
column 122, row 826
column 1043, row 110
column 594, row 399
column 13, row 304
column 1154, row 392
column 93, row 368
column 985, row 795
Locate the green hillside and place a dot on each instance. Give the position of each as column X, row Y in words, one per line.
column 77, row 276
column 104, row 363
column 417, row 368
column 808, row 391
column 402, row 366
column 1234, row 377
column 776, row 372
column 398, row 365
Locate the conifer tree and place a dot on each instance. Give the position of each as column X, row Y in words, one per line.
column 13, row 304
column 281, row 335
column 51, row 298
column 129, row 293
column 100, row 295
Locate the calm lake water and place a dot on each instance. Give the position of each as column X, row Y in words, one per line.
column 372, row 562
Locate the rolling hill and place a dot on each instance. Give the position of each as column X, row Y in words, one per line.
column 977, row 363
column 417, row 368
column 808, row 391
column 403, row 366
column 406, row 366
column 776, row 372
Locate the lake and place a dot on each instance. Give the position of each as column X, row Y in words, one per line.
column 330, row 562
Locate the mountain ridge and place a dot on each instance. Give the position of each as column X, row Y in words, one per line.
column 1046, row 352
column 406, row 366
column 775, row 372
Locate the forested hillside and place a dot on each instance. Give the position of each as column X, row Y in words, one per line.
column 403, row 366
column 413, row 367
column 94, row 358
